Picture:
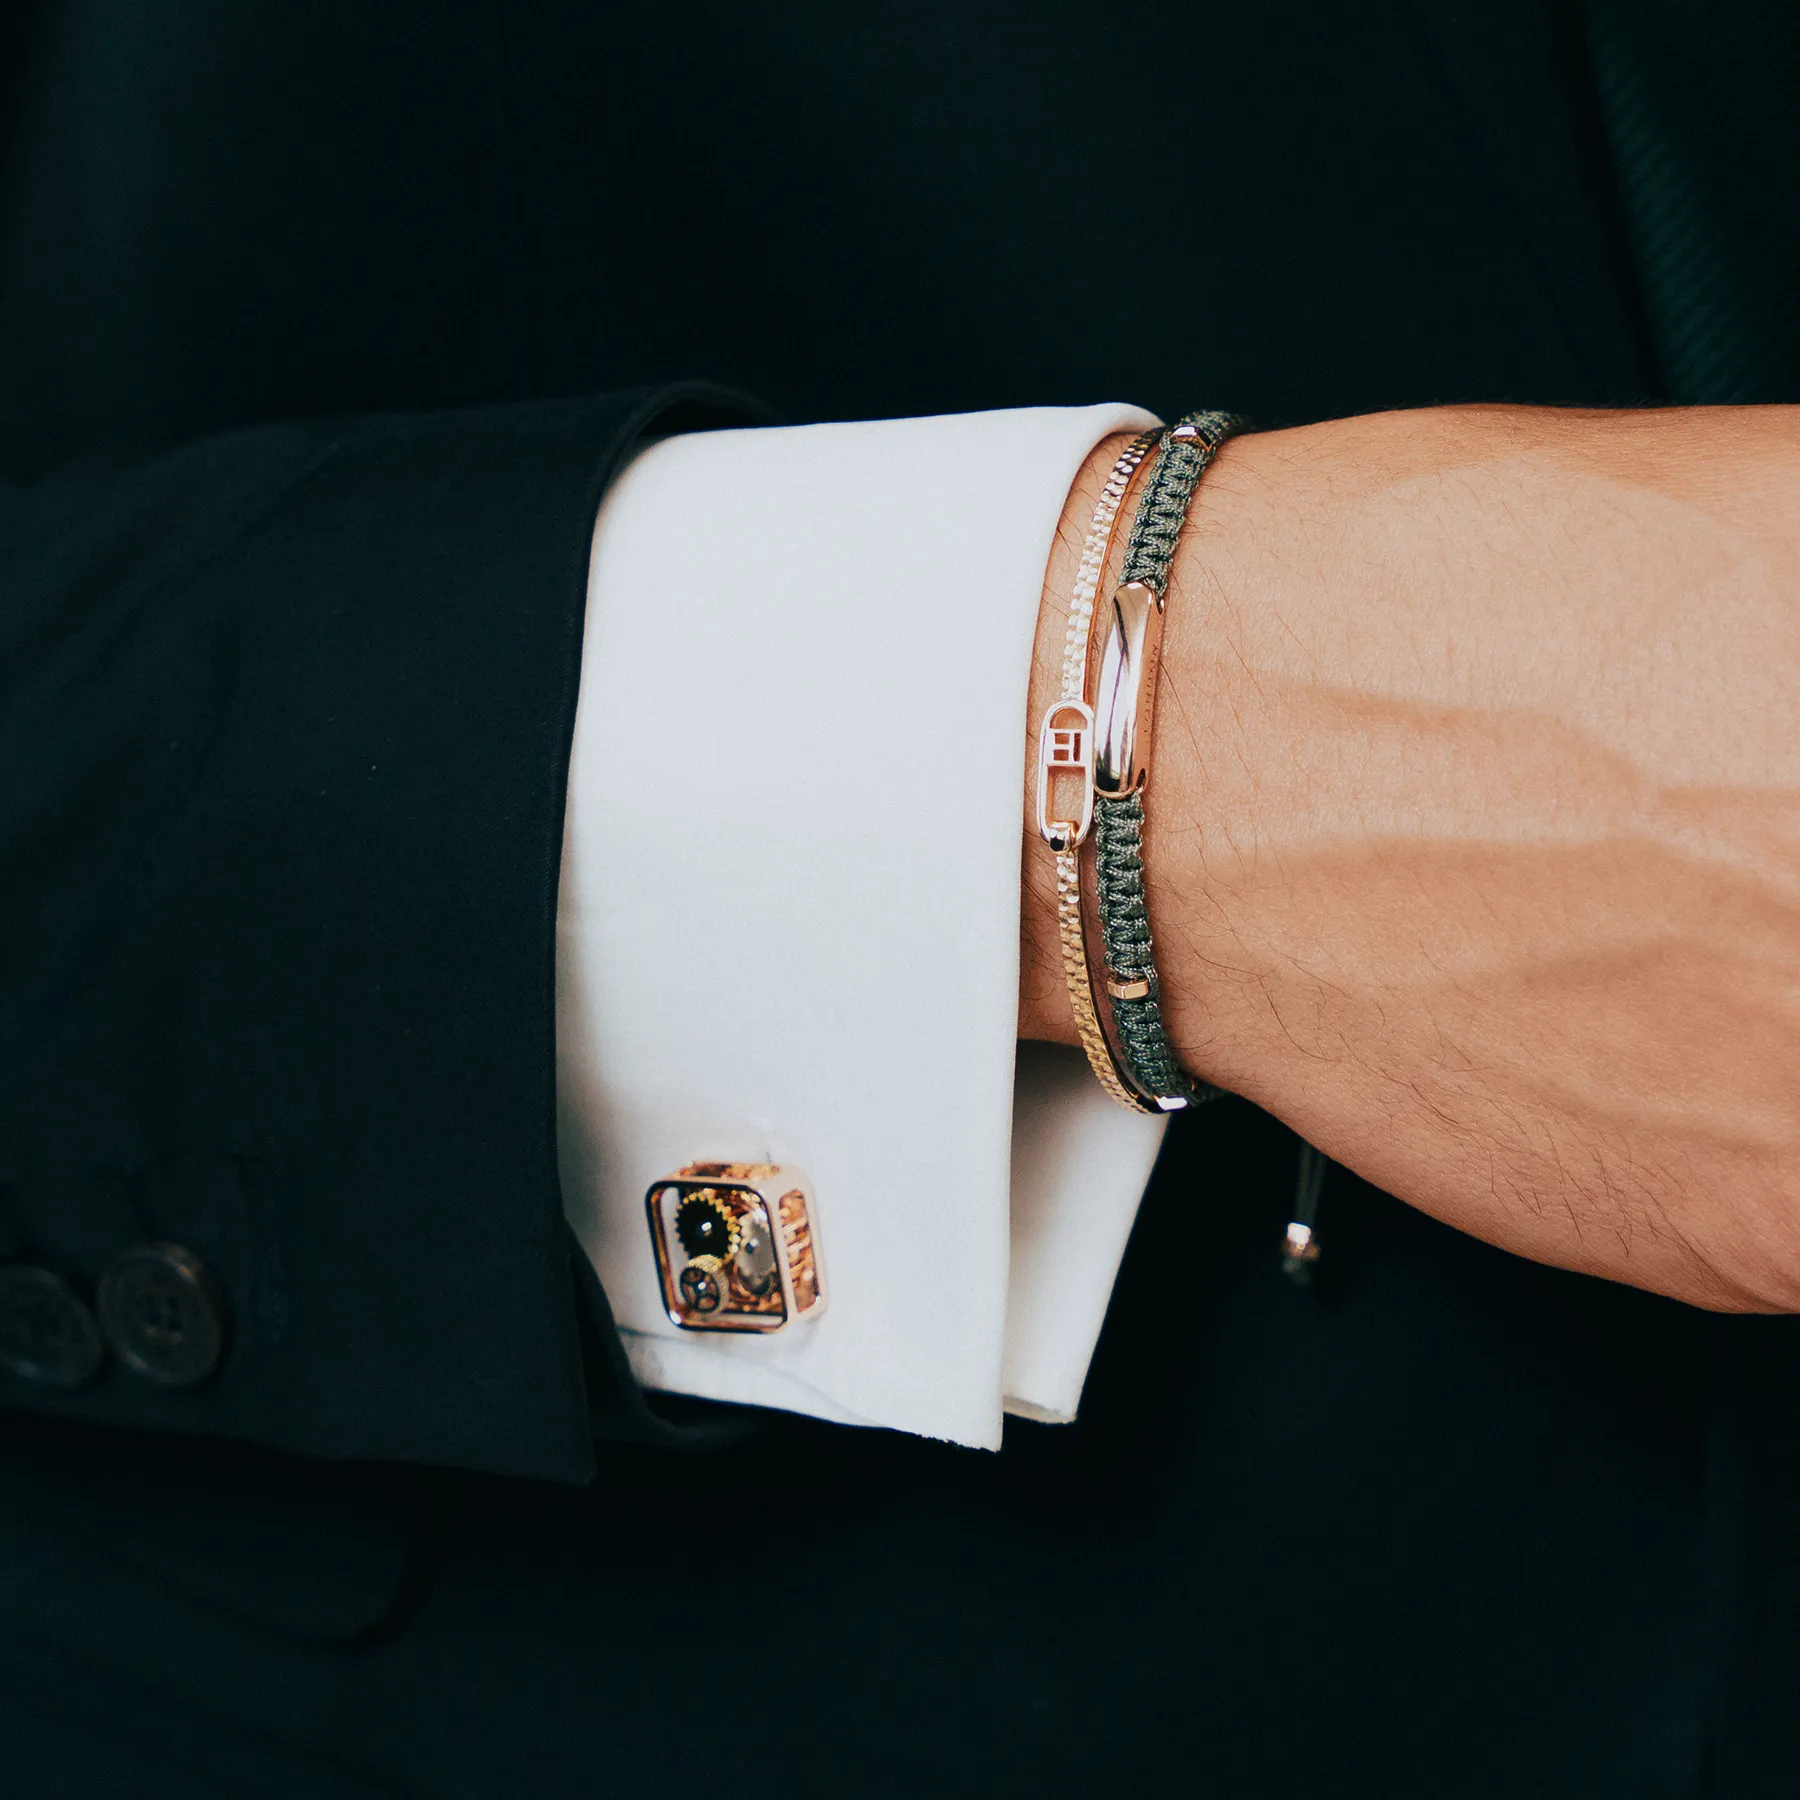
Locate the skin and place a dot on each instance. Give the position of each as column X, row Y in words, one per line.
column 1473, row 841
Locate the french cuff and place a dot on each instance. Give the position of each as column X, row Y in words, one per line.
column 789, row 917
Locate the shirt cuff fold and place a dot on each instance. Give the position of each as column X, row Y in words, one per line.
column 788, row 927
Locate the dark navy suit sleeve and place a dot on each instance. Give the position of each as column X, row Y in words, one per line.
column 285, row 719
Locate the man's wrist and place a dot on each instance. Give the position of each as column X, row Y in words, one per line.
column 1469, row 838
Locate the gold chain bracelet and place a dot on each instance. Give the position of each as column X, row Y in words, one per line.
column 1065, row 753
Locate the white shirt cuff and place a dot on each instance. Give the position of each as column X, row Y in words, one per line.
column 788, row 928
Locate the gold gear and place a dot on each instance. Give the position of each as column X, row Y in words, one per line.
column 707, row 1226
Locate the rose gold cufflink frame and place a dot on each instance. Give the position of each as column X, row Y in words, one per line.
column 735, row 1247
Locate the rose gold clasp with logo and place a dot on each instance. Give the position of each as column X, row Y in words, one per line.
column 1065, row 754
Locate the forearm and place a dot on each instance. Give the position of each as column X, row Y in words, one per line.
column 1474, row 825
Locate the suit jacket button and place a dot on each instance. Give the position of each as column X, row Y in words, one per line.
column 162, row 1314
column 46, row 1335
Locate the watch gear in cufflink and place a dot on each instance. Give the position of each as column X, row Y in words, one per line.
column 734, row 1246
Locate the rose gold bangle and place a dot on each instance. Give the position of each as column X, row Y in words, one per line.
column 1065, row 755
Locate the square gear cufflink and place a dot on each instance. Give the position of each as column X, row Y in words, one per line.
column 734, row 1244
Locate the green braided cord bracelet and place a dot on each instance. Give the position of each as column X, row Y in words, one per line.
column 1142, row 1037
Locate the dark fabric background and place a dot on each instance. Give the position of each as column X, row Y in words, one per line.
column 1445, row 1524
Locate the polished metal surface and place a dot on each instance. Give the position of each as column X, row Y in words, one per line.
column 1125, row 690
